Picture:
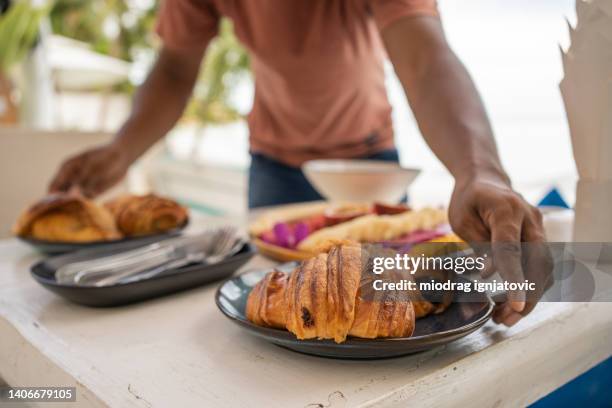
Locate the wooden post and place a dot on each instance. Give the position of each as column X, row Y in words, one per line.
column 8, row 108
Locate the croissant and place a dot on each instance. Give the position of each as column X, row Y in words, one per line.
column 326, row 297
column 145, row 215
column 66, row 217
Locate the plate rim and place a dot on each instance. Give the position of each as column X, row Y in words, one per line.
column 279, row 253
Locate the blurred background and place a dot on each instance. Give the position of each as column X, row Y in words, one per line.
column 68, row 69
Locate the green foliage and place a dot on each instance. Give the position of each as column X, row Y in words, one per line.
column 225, row 64
column 121, row 28
column 111, row 27
column 18, row 32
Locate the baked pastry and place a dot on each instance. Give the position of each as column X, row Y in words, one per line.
column 67, row 217
column 326, row 297
column 148, row 214
column 376, row 228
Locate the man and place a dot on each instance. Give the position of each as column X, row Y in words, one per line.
column 319, row 93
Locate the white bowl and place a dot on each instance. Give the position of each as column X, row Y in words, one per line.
column 359, row 180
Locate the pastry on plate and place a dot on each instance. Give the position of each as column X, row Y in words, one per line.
column 67, row 217
column 324, row 298
column 145, row 215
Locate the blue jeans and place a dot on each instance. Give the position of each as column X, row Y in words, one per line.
column 275, row 183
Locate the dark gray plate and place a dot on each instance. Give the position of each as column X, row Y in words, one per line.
column 54, row 247
column 176, row 280
column 459, row 320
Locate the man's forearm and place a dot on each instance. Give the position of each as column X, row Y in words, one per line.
column 446, row 104
column 483, row 206
column 159, row 102
column 453, row 120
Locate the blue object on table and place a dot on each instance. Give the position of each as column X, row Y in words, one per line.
column 553, row 199
column 592, row 389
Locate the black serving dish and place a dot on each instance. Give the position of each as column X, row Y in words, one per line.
column 459, row 320
column 183, row 278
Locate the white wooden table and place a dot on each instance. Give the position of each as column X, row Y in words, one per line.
column 181, row 351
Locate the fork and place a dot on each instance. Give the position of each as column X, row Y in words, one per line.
column 211, row 246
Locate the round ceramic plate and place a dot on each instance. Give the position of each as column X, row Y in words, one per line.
column 459, row 320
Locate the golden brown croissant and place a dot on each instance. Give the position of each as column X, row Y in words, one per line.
column 326, row 298
column 148, row 214
column 66, row 217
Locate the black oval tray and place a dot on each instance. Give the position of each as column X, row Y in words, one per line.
column 120, row 294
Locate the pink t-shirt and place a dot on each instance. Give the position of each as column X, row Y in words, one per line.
column 319, row 80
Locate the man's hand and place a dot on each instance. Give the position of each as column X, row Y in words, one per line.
column 158, row 104
column 488, row 210
column 453, row 121
column 93, row 171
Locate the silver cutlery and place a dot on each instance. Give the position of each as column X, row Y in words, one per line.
column 194, row 258
column 210, row 246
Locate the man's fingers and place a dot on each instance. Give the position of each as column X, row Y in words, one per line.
column 538, row 260
column 512, row 319
column 97, row 187
column 500, row 312
column 92, row 171
column 533, row 228
column 93, row 177
column 506, row 249
column 489, row 267
column 65, row 177
column 505, row 314
column 58, row 185
column 102, row 178
column 472, row 230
